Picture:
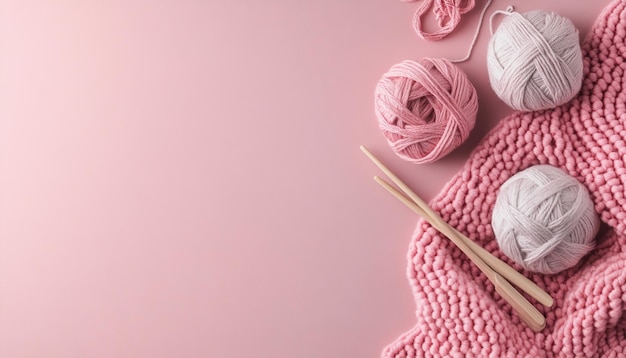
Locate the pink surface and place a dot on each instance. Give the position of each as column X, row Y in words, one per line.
column 183, row 178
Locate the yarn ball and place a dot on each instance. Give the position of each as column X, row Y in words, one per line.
column 535, row 61
column 425, row 109
column 544, row 219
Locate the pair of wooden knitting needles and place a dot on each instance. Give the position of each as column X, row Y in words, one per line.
column 497, row 271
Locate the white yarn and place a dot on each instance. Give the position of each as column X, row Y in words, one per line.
column 544, row 219
column 534, row 60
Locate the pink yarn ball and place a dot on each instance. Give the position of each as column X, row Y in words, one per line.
column 425, row 109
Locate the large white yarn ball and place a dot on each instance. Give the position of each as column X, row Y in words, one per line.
column 544, row 219
column 535, row 61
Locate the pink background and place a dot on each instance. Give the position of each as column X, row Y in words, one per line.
column 183, row 178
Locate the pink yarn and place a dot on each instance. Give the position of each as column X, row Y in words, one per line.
column 447, row 12
column 425, row 109
column 458, row 312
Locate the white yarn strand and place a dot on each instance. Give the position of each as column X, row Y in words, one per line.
column 476, row 33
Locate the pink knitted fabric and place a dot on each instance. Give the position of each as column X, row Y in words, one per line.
column 458, row 312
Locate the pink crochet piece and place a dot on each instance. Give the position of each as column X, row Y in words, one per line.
column 458, row 312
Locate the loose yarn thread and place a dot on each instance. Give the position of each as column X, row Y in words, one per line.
column 544, row 219
column 447, row 12
column 425, row 109
column 534, row 60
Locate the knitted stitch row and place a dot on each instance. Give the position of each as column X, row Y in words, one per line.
column 458, row 311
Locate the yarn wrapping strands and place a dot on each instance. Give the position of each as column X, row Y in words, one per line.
column 447, row 13
column 544, row 220
column 534, row 60
column 425, row 109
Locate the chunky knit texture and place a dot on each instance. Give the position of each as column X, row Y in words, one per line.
column 458, row 312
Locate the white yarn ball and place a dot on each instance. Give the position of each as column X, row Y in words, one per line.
column 544, row 219
column 535, row 61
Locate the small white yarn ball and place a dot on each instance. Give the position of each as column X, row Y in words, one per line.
column 544, row 219
column 535, row 61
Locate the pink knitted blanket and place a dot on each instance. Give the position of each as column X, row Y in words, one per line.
column 458, row 312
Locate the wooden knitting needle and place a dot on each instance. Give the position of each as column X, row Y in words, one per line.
column 527, row 312
column 495, row 263
column 498, row 265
